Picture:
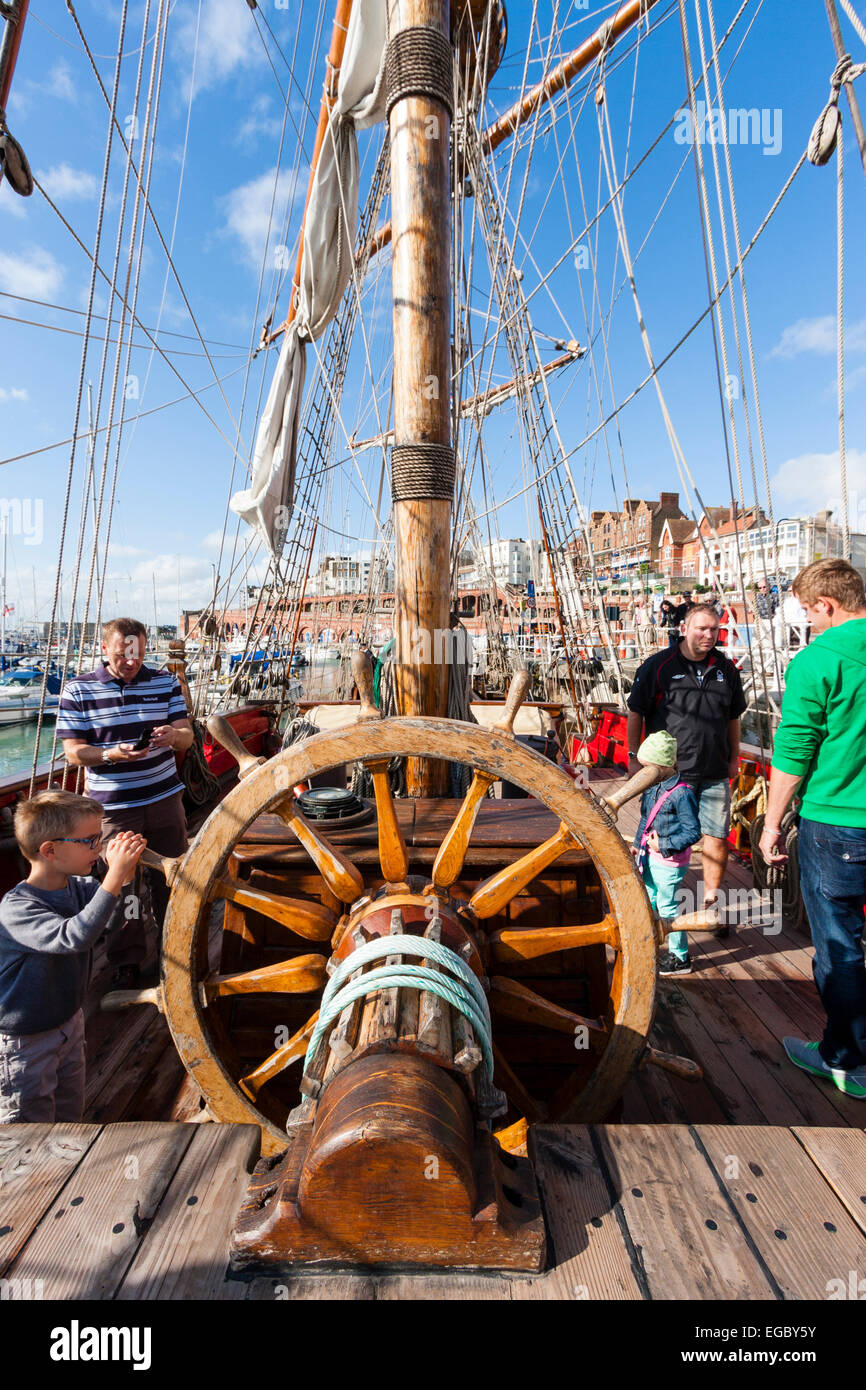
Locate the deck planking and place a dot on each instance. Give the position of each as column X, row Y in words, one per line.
column 633, row 1212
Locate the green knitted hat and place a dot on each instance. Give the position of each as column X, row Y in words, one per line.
column 660, row 748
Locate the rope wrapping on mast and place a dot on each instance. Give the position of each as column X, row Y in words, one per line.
column 422, row 471
column 418, row 63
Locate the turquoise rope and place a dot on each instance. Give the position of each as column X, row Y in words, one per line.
column 464, row 994
column 406, row 946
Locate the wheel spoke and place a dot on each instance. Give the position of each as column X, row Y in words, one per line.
column 512, row 944
column 515, row 1000
column 336, row 868
column 307, row 919
column 452, row 851
column 393, row 855
column 496, row 892
column 290, row 1051
column 297, row 976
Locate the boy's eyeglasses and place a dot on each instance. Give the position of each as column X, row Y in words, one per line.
column 90, row 840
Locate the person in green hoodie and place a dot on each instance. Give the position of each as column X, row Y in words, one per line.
column 820, row 754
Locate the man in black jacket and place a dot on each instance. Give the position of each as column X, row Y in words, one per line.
column 694, row 692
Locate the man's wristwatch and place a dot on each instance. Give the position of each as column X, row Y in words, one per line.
column 106, row 758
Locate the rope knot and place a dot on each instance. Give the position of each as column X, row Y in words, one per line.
column 825, row 131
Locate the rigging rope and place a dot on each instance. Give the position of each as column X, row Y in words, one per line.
column 103, row 197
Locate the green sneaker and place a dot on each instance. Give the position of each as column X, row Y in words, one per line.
column 806, row 1056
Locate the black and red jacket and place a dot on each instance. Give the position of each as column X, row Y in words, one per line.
column 671, row 694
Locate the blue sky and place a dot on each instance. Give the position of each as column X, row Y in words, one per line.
column 176, row 466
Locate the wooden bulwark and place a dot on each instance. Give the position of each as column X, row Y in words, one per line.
column 633, row 1212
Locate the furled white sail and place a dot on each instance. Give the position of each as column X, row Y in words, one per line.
column 326, row 267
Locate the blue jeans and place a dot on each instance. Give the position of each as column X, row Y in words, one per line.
column 833, row 883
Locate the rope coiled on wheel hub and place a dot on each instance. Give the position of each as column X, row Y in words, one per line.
column 463, row 994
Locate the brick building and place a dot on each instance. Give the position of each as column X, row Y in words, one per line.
column 626, row 543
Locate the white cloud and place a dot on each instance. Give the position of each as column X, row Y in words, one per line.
column 59, row 83
column 809, row 482
column 247, row 212
column 64, row 182
column 227, row 41
column 13, row 393
column 12, row 204
column 818, row 335
column 124, row 550
column 130, row 590
column 27, row 92
column 260, row 121
column 36, row 274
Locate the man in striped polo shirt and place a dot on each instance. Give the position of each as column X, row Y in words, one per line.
column 102, row 714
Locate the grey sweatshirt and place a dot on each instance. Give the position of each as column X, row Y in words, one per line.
column 45, row 941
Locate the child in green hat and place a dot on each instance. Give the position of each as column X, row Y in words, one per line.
column 668, row 828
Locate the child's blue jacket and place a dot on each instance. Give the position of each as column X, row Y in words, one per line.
column 677, row 822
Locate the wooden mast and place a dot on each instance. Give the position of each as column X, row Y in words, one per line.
column 13, row 31
column 422, row 459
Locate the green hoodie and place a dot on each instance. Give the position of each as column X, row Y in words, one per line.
column 822, row 736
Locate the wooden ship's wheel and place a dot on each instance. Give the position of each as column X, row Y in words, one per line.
column 512, row 1047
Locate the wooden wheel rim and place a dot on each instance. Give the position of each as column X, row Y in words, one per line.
column 498, row 754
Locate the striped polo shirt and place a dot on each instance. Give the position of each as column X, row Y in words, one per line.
column 104, row 710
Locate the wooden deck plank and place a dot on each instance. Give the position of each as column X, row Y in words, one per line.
column 747, row 957
column 682, row 1102
column 186, row 1251
column 443, row 1287
column 311, row 1288
column 113, row 1049
column 586, row 1248
column 723, row 1063
column 780, row 1095
column 636, row 1109
column 803, row 1232
column 685, row 1234
column 158, row 1091
column 141, row 1066
column 93, row 1228
column 840, row 1154
column 764, row 1023
column 783, row 1003
column 36, row 1163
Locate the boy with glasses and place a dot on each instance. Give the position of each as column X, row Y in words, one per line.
column 48, row 925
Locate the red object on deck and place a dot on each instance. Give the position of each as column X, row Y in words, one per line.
column 250, row 725
column 611, row 740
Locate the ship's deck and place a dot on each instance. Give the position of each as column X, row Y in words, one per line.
column 633, row 1212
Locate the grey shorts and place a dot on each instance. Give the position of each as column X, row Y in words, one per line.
column 714, row 808
column 42, row 1074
